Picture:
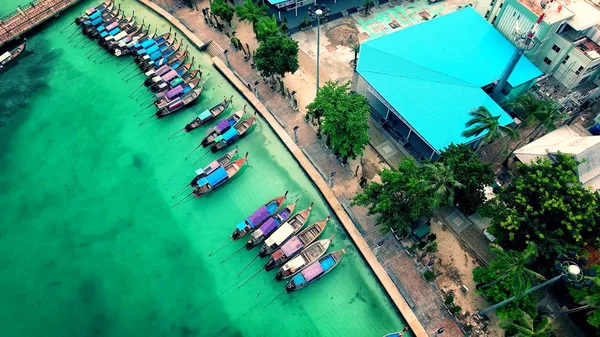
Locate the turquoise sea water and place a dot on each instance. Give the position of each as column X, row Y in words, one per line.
column 89, row 242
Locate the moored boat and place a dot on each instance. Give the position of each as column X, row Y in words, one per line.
column 94, row 12
column 222, row 126
column 258, row 217
column 266, row 229
column 8, row 58
column 171, row 78
column 284, row 232
column 306, row 257
column 130, row 38
column 91, row 31
column 176, row 92
column 231, row 135
column 397, row 334
column 180, row 103
column 208, row 115
column 219, row 176
column 212, row 166
column 314, row 271
column 296, row 244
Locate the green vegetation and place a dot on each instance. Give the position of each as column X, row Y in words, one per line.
column 482, row 122
column 266, row 27
column 589, row 300
column 251, row 12
column 221, row 9
column 546, row 205
column 524, row 325
column 472, row 174
column 429, row 275
column 343, row 116
column 406, row 194
column 277, row 56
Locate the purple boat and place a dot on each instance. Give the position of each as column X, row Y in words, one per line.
column 315, row 271
column 223, row 126
column 266, row 229
column 258, row 217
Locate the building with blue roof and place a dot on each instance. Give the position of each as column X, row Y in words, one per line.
column 423, row 81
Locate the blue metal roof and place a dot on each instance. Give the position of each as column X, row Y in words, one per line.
column 432, row 73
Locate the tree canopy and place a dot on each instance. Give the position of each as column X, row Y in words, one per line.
column 471, row 173
column 403, row 196
column 221, row 9
column 265, row 27
column 523, row 325
column 546, row 205
column 277, row 55
column 251, row 12
column 345, row 118
column 482, row 122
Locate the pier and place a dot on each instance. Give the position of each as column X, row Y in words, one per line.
column 29, row 16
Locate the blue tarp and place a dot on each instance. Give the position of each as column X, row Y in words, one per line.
column 299, row 279
column 95, row 15
column 204, row 115
column 230, row 134
column 147, row 43
column 327, row 263
column 218, row 176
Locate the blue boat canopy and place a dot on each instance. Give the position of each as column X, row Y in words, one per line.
column 218, row 176
column 204, row 115
column 299, row 279
column 230, row 134
column 327, row 263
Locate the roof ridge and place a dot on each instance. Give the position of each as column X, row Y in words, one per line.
column 467, row 85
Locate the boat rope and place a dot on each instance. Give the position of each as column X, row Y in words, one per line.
column 273, row 280
column 196, row 148
column 182, row 200
column 248, row 265
column 73, row 36
column 132, row 77
column 127, row 66
column 140, row 95
column 181, row 190
column 251, row 277
column 94, row 53
column 136, row 89
column 122, row 60
column 221, row 246
column 232, row 255
column 139, row 112
column 147, row 120
column 273, row 300
column 147, row 99
column 69, row 25
column 199, row 159
column 175, row 133
column 82, row 39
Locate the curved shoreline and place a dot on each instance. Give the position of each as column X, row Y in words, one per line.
column 382, row 276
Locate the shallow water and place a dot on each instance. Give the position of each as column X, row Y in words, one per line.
column 89, row 242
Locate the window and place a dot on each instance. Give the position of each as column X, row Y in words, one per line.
column 556, row 48
column 566, row 58
column 495, row 17
column 547, row 60
column 502, row 3
column 579, row 70
column 487, row 14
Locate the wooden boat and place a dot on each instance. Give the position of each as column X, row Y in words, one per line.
column 164, row 83
column 131, row 29
column 156, row 51
column 223, row 126
column 212, row 166
column 94, row 12
column 92, row 31
column 231, row 135
column 258, row 217
column 294, row 246
column 179, row 79
column 219, row 176
column 180, row 103
column 314, row 271
column 127, row 48
column 397, row 334
column 174, row 61
column 176, row 92
column 111, row 46
column 8, row 58
column 115, row 28
column 158, row 59
column 306, row 257
column 270, row 226
column 283, row 233
column 208, row 115
column 152, row 46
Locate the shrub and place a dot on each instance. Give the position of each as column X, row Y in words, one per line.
column 449, row 301
column 429, row 275
column 455, row 310
column 432, row 247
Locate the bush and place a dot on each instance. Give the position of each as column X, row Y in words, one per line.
column 411, row 250
column 422, row 244
column 449, row 301
column 429, row 275
column 455, row 310
column 432, row 247
column 431, row 237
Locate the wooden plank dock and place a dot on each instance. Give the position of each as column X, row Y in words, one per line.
column 26, row 17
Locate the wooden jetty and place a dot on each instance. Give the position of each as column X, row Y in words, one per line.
column 29, row 16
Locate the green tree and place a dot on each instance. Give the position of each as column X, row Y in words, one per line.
column 525, row 326
column 441, row 183
column 277, row 55
column 355, row 47
column 471, row 173
column 265, row 27
column 345, row 118
column 400, row 199
column 546, row 205
column 221, row 9
column 251, row 12
column 482, row 122
column 513, row 266
column 588, row 298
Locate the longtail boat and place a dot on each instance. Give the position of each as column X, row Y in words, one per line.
column 219, row 176
column 231, row 135
column 176, row 92
column 154, row 45
column 180, row 73
column 294, row 246
column 131, row 29
column 180, row 103
column 212, row 166
column 158, row 59
column 126, row 48
column 166, row 78
column 208, row 115
column 156, row 51
column 397, row 334
column 223, row 126
column 266, row 229
column 258, row 217
column 92, row 31
column 314, row 271
column 111, row 46
column 115, row 28
column 106, row 17
column 10, row 56
column 174, row 61
column 306, row 257
column 285, row 232
column 94, row 12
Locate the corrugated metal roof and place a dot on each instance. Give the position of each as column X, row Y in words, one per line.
column 432, row 73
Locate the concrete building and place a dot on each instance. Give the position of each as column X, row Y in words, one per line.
column 584, row 147
column 423, row 81
column 567, row 42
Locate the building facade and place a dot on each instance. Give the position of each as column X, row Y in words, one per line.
column 567, row 41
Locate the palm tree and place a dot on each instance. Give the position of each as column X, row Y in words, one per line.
column 512, row 265
column 544, row 112
column 265, row 27
column 482, row 121
column 355, row 47
column 442, row 183
column 525, row 326
column 251, row 12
